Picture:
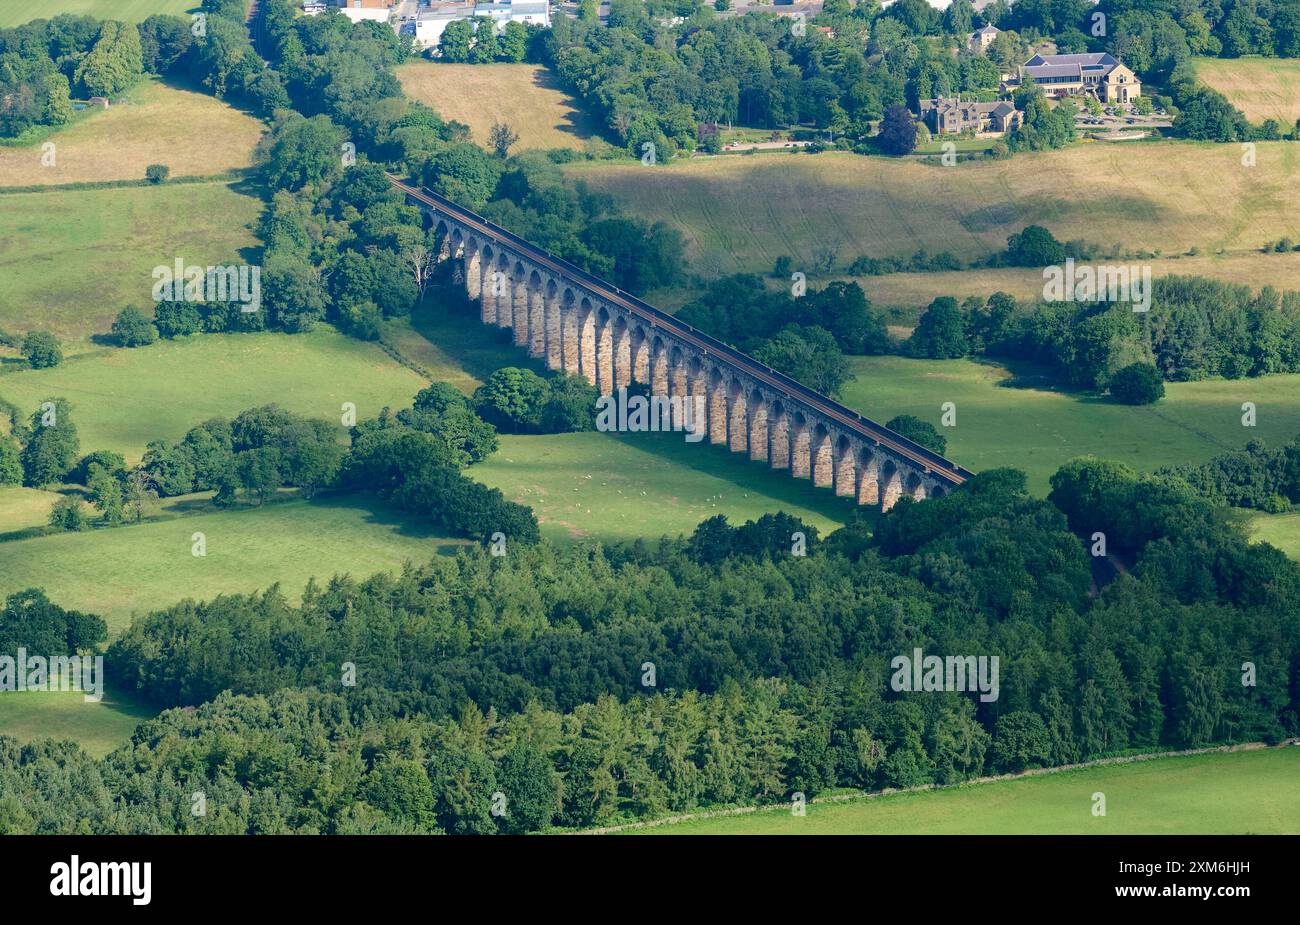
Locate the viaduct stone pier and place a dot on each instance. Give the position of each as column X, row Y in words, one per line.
column 583, row 325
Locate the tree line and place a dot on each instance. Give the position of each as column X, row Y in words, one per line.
column 591, row 685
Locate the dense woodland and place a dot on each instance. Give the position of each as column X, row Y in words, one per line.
column 404, row 703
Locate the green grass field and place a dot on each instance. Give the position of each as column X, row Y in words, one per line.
column 1037, row 430
column 120, row 570
column 121, row 399
column 96, row 727
column 1282, row 530
column 741, row 213
column 70, row 260
column 643, row 485
column 1262, row 88
column 21, row 508
column 1249, row 792
column 454, row 348
column 191, row 132
column 17, row 12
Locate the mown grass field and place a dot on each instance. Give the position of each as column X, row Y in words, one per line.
column 117, row 571
column 121, row 399
column 917, row 290
column 1282, row 530
column 70, row 260
column 17, row 12
column 21, row 508
column 193, row 133
column 1249, row 792
column 525, row 96
column 1038, row 430
column 97, row 727
column 619, row 488
column 741, row 213
column 453, row 347
column 1262, row 88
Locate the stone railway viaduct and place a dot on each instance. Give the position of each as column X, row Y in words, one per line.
column 583, row 325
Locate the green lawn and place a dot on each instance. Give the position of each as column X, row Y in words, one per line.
column 119, row 570
column 17, row 12
column 21, row 508
column 1037, row 430
column 1282, row 530
column 121, row 399
column 96, row 727
column 454, row 348
column 70, row 260
column 1254, row 792
column 644, row 485
column 960, row 145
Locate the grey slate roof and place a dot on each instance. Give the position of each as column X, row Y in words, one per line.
column 1041, row 66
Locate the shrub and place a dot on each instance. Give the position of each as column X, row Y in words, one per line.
column 512, row 399
column 1137, row 384
column 11, row 466
column 133, row 329
column 41, row 348
column 941, row 332
column 52, row 446
column 919, row 431
column 1035, row 246
column 177, row 319
column 570, row 406
column 67, row 515
column 113, row 462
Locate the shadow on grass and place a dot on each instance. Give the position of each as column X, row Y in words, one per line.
column 740, row 472
column 577, row 122
column 378, row 514
column 451, row 324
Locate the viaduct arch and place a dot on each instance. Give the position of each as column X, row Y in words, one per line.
column 583, row 325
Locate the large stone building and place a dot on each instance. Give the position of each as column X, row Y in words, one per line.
column 945, row 116
column 1096, row 74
